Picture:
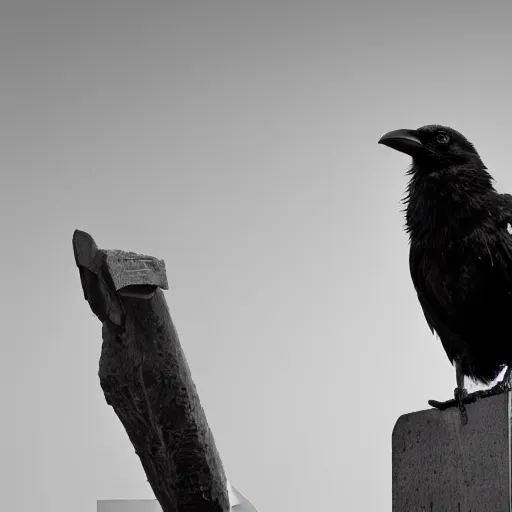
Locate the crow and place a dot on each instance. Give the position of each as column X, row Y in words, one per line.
column 460, row 255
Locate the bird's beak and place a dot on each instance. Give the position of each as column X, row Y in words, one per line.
column 406, row 141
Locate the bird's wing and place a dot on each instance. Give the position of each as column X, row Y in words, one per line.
column 434, row 301
column 450, row 316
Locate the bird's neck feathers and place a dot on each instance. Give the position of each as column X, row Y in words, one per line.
column 439, row 202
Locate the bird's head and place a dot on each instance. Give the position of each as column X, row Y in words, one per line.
column 433, row 147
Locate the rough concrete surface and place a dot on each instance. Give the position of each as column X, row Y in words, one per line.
column 441, row 465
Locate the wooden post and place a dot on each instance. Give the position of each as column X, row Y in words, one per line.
column 146, row 379
column 441, row 465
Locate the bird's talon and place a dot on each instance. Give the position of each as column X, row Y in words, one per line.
column 463, row 415
column 466, row 398
column 441, row 405
column 460, row 393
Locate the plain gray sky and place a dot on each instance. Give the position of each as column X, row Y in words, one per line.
column 237, row 140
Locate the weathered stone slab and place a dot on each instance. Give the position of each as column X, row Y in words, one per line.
column 441, row 465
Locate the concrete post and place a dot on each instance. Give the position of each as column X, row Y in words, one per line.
column 440, row 465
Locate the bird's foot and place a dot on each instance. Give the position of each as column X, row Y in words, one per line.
column 460, row 394
column 461, row 398
column 503, row 386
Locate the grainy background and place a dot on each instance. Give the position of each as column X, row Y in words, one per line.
column 237, row 140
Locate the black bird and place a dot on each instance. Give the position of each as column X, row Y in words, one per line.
column 460, row 255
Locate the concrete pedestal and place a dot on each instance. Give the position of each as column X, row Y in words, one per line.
column 128, row 506
column 440, row 465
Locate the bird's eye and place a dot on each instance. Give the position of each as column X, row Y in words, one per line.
column 443, row 138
